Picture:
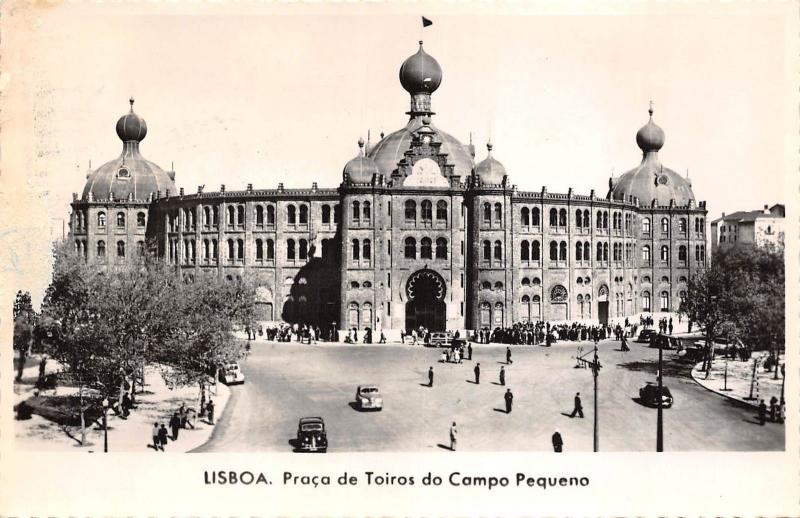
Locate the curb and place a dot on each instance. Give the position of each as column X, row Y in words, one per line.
column 694, row 378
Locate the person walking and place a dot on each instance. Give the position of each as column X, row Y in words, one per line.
column 175, row 424
column 162, row 436
column 156, row 440
column 773, row 408
column 762, row 413
column 578, row 409
column 558, row 442
column 509, row 397
column 453, row 436
column 502, row 376
column 430, row 376
column 508, row 356
column 210, row 411
column 477, row 371
column 624, row 346
column 469, row 350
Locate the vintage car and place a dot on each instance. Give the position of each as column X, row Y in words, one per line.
column 368, row 397
column 231, row 374
column 649, row 395
column 311, row 435
column 645, row 335
column 665, row 342
column 440, row 339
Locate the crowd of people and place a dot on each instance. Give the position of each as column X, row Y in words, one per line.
column 545, row 333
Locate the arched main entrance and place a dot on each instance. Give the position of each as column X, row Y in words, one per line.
column 425, row 307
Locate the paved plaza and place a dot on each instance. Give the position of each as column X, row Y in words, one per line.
column 289, row 381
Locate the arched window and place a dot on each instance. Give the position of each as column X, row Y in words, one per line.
column 356, row 211
column 411, row 211
column 599, row 251
column 525, row 217
column 605, row 251
column 354, row 285
column 645, row 301
column 240, row 216
column 206, row 250
column 535, row 217
column 553, row 251
column 215, row 216
column 304, row 214
column 121, row 249
column 536, row 251
column 664, row 226
column 646, row 254
column 366, row 314
column 367, row 284
column 486, row 285
column 441, row 248
column 425, row 250
column 587, row 251
column 605, row 219
column 240, row 249
column 526, row 281
column 579, row 281
column 291, row 215
column 259, row 249
column 525, row 309
column 665, row 253
column 259, row 215
column 356, row 250
column 427, row 211
column 498, row 213
column 270, row 250
column 271, row 215
column 441, row 211
column 120, row 219
column 367, row 211
column 498, row 314
column 536, row 281
column 558, row 293
column 101, row 248
column 579, row 251
column 562, row 218
column 487, row 251
column 525, row 251
column 140, row 248
column 682, row 225
column 326, row 214
column 352, row 315
column 303, row 250
column 646, row 226
column 141, row 219
column 206, row 216
column 487, row 214
column 553, row 217
column 337, row 213
column 410, row 248
column 586, row 219
column 367, row 250
column 498, row 285
column 562, row 251
column 664, row 301
column 498, row 251
column 579, row 218
column 486, row 314
column 290, row 253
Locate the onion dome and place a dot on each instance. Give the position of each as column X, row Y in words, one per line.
column 490, row 171
column 420, row 73
column 129, row 176
column 131, row 127
column 651, row 182
column 361, row 169
column 391, row 149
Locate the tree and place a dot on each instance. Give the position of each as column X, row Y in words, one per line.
column 24, row 322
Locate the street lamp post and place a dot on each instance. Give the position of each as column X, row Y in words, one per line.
column 105, row 425
column 660, row 415
column 595, row 366
column 725, row 388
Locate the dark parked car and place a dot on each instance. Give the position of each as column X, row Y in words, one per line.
column 649, row 395
column 665, row 342
column 645, row 335
column 311, row 435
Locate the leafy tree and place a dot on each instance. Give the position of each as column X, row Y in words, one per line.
column 24, row 322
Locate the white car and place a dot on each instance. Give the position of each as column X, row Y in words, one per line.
column 368, row 397
column 231, row 374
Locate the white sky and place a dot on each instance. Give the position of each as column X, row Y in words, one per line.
column 275, row 94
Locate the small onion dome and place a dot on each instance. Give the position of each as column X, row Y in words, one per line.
column 650, row 137
column 362, row 168
column 420, row 73
column 490, row 171
column 131, row 127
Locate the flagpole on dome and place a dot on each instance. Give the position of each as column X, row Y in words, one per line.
column 425, row 23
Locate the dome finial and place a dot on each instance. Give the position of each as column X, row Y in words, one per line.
column 650, row 111
column 489, row 146
column 360, row 146
column 131, row 101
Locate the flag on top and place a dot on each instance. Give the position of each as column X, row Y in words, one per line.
column 426, row 22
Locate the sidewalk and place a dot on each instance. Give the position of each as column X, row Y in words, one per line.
column 739, row 379
column 134, row 434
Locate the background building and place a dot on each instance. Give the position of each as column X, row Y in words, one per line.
column 416, row 234
column 762, row 228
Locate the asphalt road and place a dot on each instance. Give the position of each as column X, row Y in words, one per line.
column 288, row 381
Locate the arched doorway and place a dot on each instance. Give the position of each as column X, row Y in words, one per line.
column 602, row 304
column 426, row 290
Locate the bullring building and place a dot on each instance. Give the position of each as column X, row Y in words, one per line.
column 418, row 232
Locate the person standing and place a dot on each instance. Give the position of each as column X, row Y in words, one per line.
column 773, row 408
column 210, row 411
column 558, row 442
column 509, row 397
column 126, row 405
column 578, row 409
column 469, row 350
column 162, row 436
column 156, row 440
column 508, row 356
column 175, row 424
column 502, row 376
column 453, row 437
column 762, row 412
column 477, row 371
column 430, row 376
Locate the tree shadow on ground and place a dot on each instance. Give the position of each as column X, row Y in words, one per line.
column 671, row 368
